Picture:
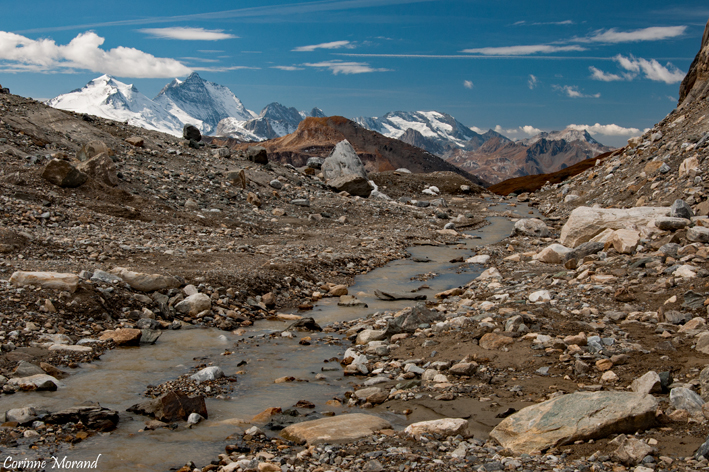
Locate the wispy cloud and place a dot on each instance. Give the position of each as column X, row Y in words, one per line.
column 199, row 59
column 544, row 23
column 339, row 67
column 287, row 68
column 532, row 81
column 83, row 52
column 330, row 45
column 526, row 130
column 224, row 69
column 598, row 74
column 608, row 130
column 287, row 11
column 468, row 84
column 210, row 51
column 187, row 34
column 572, row 91
column 522, row 50
column 636, row 67
column 655, row 33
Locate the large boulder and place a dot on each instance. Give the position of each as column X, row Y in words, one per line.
column 191, row 132
column 257, row 154
column 100, row 168
column 352, row 184
column 335, row 430
column 532, row 227
column 53, row 280
column 36, row 382
column 410, row 319
column 92, row 149
column 63, row 174
column 123, row 336
column 443, row 427
column 194, row 304
column 172, row 406
column 575, row 417
column 343, row 160
column 146, row 282
column 584, row 222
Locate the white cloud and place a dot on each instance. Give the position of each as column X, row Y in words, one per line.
column 598, row 74
column 608, row 130
column 655, row 33
column 468, row 84
column 652, row 69
column 634, row 67
column 188, row 34
column 530, row 130
column 339, row 67
column 477, row 130
column 84, row 52
column 522, row 50
column 287, row 68
column 331, row 45
column 532, row 81
column 572, row 91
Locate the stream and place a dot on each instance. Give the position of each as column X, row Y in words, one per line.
column 119, row 379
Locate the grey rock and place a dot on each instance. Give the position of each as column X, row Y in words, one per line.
column 342, row 161
column 411, row 319
column 26, row 369
column 631, row 451
column 583, row 250
column 532, row 227
column 315, row 162
column 683, row 398
column 277, row 184
column 670, row 223
column 149, row 336
column 704, row 384
column 92, row 415
column 147, row 323
column 680, row 209
column 698, row 234
column 194, row 418
column 670, row 249
column 36, row 382
column 677, row 317
column 21, row 415
column 104, row 277
column 693, row 300
column 208, row 373
column 578, row 416
column 304, row 202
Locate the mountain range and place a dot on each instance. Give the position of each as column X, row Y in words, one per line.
column 216, row 111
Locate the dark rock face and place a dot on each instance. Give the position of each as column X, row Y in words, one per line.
column 696, row 82
column 352, row 184
column 257, row 155
column 191, row 132
column 171, row 407
column 92, row 416
column 63, row 174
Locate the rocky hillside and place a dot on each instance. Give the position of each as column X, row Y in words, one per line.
column 318, row 136
column 499, row 159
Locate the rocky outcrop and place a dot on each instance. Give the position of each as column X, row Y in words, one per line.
column 584, row 222
column 696, row 82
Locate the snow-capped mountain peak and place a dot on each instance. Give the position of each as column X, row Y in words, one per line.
column 569, row 135
column 109, row 98
column 202, row 103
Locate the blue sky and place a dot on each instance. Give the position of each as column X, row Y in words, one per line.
column 517, row 66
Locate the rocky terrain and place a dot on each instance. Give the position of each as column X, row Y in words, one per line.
column 579, row 344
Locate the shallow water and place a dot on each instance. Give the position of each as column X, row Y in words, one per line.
column 119, row 379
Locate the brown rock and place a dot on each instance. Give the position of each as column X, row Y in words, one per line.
column 171, row 407
column 136, row 141
column 269, row 299
column 338, row 291
column 604, row 364
column 123, row 336
column 91, row 149
column 63, row 174
column 494, row 341
column 253, row 199
column 265, row 415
